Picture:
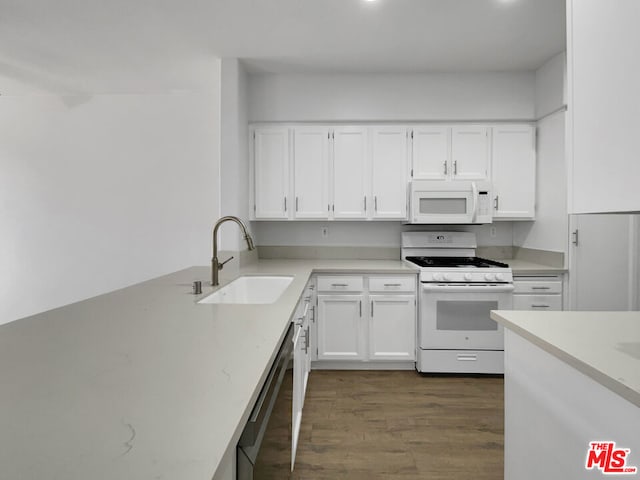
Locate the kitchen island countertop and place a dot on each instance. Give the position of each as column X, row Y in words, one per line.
column 143, row 382
column 602, row 345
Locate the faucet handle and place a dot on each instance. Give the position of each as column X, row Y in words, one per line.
column 220, row 265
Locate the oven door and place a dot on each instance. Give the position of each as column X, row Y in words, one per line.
column 456, row 316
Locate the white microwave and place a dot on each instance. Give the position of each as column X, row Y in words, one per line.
column 459, row 202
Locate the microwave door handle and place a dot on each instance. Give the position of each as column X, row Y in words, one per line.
column 474, row 194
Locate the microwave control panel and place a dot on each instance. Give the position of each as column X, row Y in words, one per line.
column 483, row 203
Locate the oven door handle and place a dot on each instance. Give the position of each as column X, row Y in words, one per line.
column 449, row 288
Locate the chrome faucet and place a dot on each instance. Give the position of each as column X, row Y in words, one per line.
column 215, row 264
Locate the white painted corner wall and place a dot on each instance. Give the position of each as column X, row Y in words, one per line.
column 100, row 192
column 551, row 85
column 234, row 151
column 551, row 227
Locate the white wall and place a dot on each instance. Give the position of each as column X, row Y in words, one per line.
column 100, row 192
column 550, row 230
column 551, row 85
column 480, row 96
column 364, row 234
column 234, row 151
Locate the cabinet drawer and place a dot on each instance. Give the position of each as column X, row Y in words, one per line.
column 461, row 361
column 537, row 286
column 537, row 302
column 405, row 283
column 341, row 283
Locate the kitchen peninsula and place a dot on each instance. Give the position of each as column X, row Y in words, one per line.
column 143, row 382
column 571, row 378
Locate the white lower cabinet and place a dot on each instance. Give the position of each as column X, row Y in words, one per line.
column 357, row 325
column 537, row 292
column 392, row 323
column 303, row 317
column 340, row 327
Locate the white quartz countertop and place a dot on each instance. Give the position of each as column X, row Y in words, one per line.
column 603, row 345
column 143, row 382
column 524, row 267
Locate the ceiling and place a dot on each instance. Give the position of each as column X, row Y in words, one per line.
column 98, row 46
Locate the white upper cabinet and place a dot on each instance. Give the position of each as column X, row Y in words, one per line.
column 603, row 108
column 326, row 172
column 470, row 152
column 450, row 153
column 514, row 172
column 350, row 172
column 431, row 152
column 389, row 162
column 311, row 172
column 271, row 164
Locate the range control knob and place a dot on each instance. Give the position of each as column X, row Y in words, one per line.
column 438, row 277
column 499, row 277
column 489, row 277
column 447, row 277
column 468, row 277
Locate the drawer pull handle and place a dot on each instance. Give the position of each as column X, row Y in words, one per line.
column 339, row 284
column 467, row 357
column 392, row 284
column 540, row 288
column 540, row 306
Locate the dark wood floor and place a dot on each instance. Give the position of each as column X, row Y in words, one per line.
column 394, row 425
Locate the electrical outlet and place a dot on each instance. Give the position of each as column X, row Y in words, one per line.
column 324, row 232
column 492, row 231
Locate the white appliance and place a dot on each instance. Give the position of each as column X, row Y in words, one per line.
column 457, row 292
column 458, row 202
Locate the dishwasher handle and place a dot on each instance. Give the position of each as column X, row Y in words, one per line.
column 264, row 405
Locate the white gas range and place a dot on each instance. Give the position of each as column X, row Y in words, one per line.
column 457, row 292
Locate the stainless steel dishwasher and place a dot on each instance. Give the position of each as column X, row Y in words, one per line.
column 264, row 448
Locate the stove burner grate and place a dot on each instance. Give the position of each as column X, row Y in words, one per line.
column 456, row 262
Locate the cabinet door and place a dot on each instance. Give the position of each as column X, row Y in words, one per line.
column 389, row 166
column 340, row 335
column 431, row 152
column 392, row 327
column 271, row 159
column 603, row 77
column 311, row 171
column 350, row 172
column 470, row 152
column 299, row 380
column 602, row 265
column 514, row 172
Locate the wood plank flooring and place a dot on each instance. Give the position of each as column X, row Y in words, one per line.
column 393, row 425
